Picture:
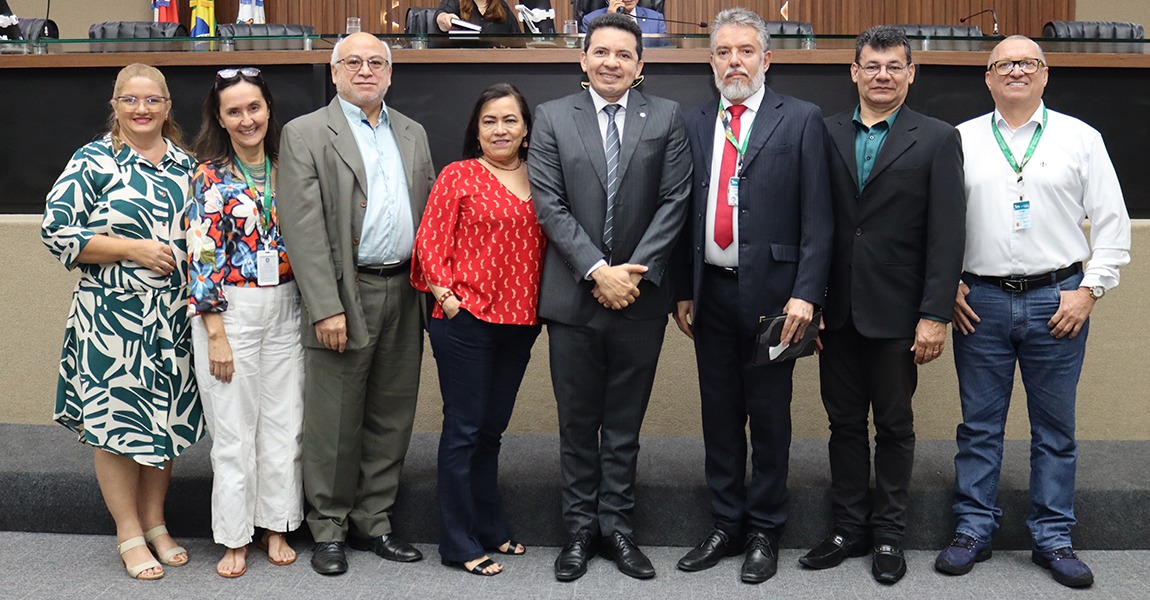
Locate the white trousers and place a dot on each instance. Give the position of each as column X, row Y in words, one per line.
column 256, row 421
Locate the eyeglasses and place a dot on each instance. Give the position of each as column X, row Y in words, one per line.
column 872, row 69
column 1006, row 67
column 151, row 102
column 233, row 73
column 355, row 63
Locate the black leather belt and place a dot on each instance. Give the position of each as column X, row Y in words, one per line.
column 385, row 270
column 731, row 272
column 1018, row 283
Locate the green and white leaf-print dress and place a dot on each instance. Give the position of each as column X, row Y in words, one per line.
column 126, row 382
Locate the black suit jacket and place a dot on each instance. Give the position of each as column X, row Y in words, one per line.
column 568, row 170
column 898, row 244
column 784, row 207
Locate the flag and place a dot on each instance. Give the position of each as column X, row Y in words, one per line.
column 251, row 11
column 203, row 18
column 784, row 12
column 165, row 11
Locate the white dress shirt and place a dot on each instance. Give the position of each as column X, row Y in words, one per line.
column 713, row 254
column 601, row 118
column 1069, row 179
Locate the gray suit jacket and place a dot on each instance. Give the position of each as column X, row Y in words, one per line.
column 321, row 201
column 568, row 169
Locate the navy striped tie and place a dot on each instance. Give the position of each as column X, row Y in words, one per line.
column 613, row 146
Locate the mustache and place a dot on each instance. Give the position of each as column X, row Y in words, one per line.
column 735, row 71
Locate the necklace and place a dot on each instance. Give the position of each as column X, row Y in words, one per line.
column 488, row 161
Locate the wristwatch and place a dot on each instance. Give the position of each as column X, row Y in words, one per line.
column 1096, row 291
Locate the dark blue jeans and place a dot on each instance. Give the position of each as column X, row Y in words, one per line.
column 1013, row 331
column 480, row 368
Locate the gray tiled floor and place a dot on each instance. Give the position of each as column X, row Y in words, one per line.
column 37, row 566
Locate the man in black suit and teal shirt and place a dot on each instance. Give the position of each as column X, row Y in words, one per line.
column 757, row 243
column 899, row 214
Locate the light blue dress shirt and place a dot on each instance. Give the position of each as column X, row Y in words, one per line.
column 388, row 233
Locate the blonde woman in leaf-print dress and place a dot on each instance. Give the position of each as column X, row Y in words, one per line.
column 126, row 385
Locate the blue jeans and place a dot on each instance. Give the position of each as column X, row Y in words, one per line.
column 480, row 368
column 1013, row 330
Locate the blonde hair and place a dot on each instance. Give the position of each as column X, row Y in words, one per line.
column 170, row 131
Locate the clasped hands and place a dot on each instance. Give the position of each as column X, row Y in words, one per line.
column 617, row 286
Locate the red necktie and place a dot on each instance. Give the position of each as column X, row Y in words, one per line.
column 724, row 231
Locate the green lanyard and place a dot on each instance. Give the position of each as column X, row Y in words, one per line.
column 741, row 150
column 1029, row 150
column 266, row 208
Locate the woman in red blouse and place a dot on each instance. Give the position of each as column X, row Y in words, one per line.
column 479, row 250
column 248, row 355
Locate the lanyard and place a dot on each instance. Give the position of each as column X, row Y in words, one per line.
column 1029, row 150
column 730, row 133
column 266, row 207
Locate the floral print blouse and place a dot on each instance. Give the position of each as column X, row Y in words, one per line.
column 224, row 236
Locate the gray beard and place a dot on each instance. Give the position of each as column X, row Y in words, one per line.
column 739, row 90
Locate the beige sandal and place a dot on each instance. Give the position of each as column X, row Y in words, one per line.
column 165, row 557
column 135, row 571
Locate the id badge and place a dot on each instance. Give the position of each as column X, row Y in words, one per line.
column 1022, row 215
column 267, row 267
column 733, row 191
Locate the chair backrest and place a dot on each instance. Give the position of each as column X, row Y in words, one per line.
column 285, row 31
column 790, row 28
column 919, row 30
column 33, row 29
column 1093, row 30
column 263, row 29
column 580, row 8
column 420, row 20
column 135, row 30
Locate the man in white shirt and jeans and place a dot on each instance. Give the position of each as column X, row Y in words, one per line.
column 1032, row 177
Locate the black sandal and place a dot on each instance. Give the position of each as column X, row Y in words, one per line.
column 478, row 569
column 511, row 546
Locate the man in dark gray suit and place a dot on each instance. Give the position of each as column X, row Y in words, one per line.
column 353, row 181
column 896, row 178
column 757, row 244
column 610, row 193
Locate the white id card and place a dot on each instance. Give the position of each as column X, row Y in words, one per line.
column 733, row 191
column 267, row 267
column 1022, row 215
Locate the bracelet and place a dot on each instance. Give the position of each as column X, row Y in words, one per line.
column 443, row 298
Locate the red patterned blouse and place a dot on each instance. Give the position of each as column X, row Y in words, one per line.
column 483, row 243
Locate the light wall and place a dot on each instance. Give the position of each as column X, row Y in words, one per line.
column 36, row 291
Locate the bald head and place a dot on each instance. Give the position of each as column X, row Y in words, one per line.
column 1015, row 43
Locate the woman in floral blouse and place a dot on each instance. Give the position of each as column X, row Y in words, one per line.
column 249, row 361
column 126, row 384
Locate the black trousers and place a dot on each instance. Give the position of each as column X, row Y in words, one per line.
column 858, row 376
column 734, row 393
column 602, row 373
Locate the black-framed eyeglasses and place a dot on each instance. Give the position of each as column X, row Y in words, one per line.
column 233, row 73
column 151, row 102
column 873, row 69
column 355, row 63
column 1028, row 66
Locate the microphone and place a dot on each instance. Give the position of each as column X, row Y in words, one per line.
column 993, row 15
column 623, row 11
column 531, row 17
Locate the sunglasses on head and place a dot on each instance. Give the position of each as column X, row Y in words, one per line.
column 233, row 73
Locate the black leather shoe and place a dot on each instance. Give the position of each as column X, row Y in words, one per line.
column 762, row 559
column 709, row 552
column 387, row 547
column 571, row 563
column 627, row 556
column 329, row 558
column 833, row 550
column 888, row 564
